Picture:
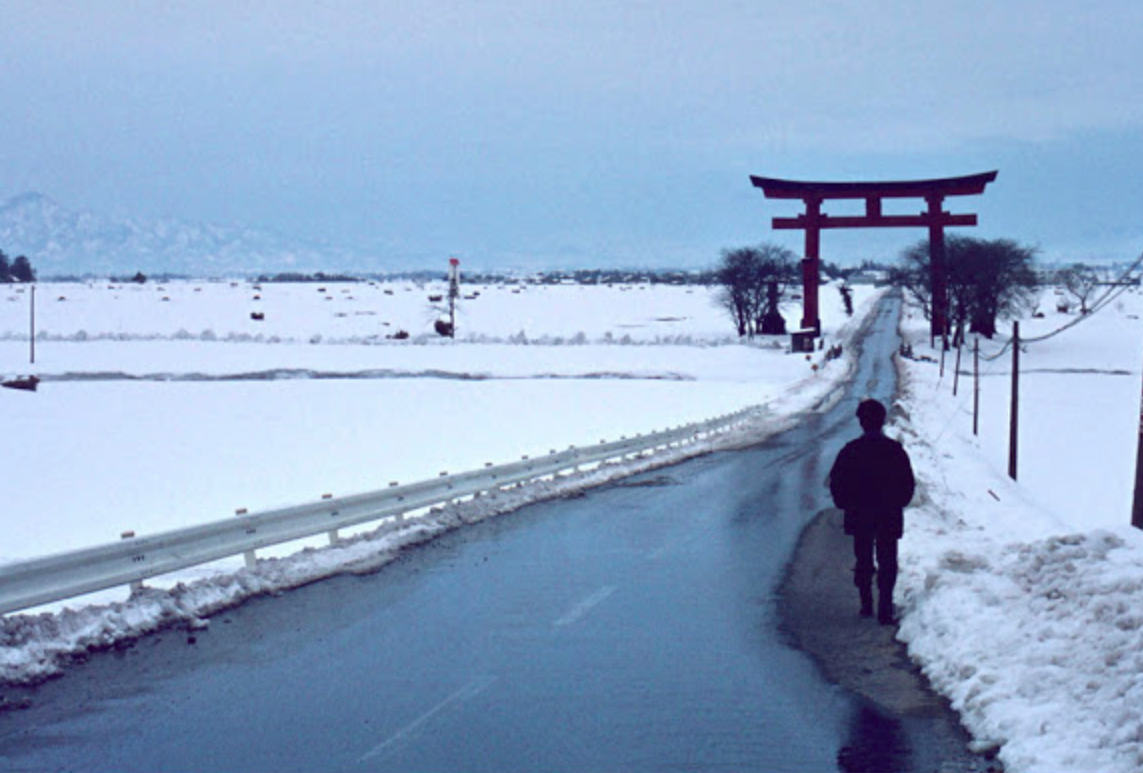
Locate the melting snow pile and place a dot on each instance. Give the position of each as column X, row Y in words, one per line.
column 1022, row 606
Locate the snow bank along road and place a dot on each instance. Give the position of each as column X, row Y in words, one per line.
column 634, row 627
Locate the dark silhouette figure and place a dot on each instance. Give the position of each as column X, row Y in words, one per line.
column 872, row 481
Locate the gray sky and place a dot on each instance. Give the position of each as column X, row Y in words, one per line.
column 578, row 132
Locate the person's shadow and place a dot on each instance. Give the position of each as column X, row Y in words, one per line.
column 877, row 743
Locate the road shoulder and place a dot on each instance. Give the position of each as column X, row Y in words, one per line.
column 819, row 610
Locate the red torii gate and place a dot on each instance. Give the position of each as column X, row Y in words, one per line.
column 813, row 220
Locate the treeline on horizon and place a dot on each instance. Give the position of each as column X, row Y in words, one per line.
column 583, row 276
column 589, row 276
column 576, row 276
column 595, row 276
column 16, row 270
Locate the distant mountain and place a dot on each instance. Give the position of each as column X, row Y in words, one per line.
column 59, row 242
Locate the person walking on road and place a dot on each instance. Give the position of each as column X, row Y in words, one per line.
column 872, row 481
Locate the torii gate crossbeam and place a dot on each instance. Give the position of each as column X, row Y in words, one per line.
column 813, row 221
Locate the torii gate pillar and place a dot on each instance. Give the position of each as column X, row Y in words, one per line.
column 813, row 220
column 938, row 270
column 811, row 271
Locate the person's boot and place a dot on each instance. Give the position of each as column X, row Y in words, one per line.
column 885, row 607
column 866, row 601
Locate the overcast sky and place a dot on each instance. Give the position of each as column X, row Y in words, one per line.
column 576, row 132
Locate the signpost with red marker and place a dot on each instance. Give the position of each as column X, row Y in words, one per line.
column 453, row 293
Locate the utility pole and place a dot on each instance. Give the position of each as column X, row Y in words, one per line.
column 1014, row 424
column 1137, row 505
column 956, row 368
column 32, row 337
column 976, row 386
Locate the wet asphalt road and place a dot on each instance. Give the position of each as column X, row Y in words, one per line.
column 634, row 628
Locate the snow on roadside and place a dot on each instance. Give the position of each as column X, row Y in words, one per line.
column 1016, row 607
column 34, row 646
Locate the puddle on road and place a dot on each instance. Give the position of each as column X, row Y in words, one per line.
column 656, row 482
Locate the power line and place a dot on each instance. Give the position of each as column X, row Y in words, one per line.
column 991, row 362
column 1117, row 288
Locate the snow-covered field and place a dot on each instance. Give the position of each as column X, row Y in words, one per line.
column 1019, row 599
column 164, row 407
column 157, row 413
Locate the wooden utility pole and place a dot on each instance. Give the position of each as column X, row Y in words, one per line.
column 1137, row 505
column 1014, row 423
column 976, row 386
column 32, row 337
column 956, row 369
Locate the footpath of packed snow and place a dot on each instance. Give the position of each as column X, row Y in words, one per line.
column 142, row 425
column 1020, row 599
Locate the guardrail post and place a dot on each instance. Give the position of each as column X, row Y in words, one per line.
column 137, row 585
column 248, row 555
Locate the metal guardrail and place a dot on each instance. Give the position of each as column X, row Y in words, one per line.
column 30, row 583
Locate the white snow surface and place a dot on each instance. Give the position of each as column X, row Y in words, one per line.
column 141, row 425
column 1018, row 599
column 1021, row 599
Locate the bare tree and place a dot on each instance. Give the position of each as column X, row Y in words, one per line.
column 746, row 276
column 734, row 276
column 987, row 280
column 1080, row 282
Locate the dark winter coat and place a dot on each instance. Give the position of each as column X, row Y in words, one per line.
column 872, row 481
